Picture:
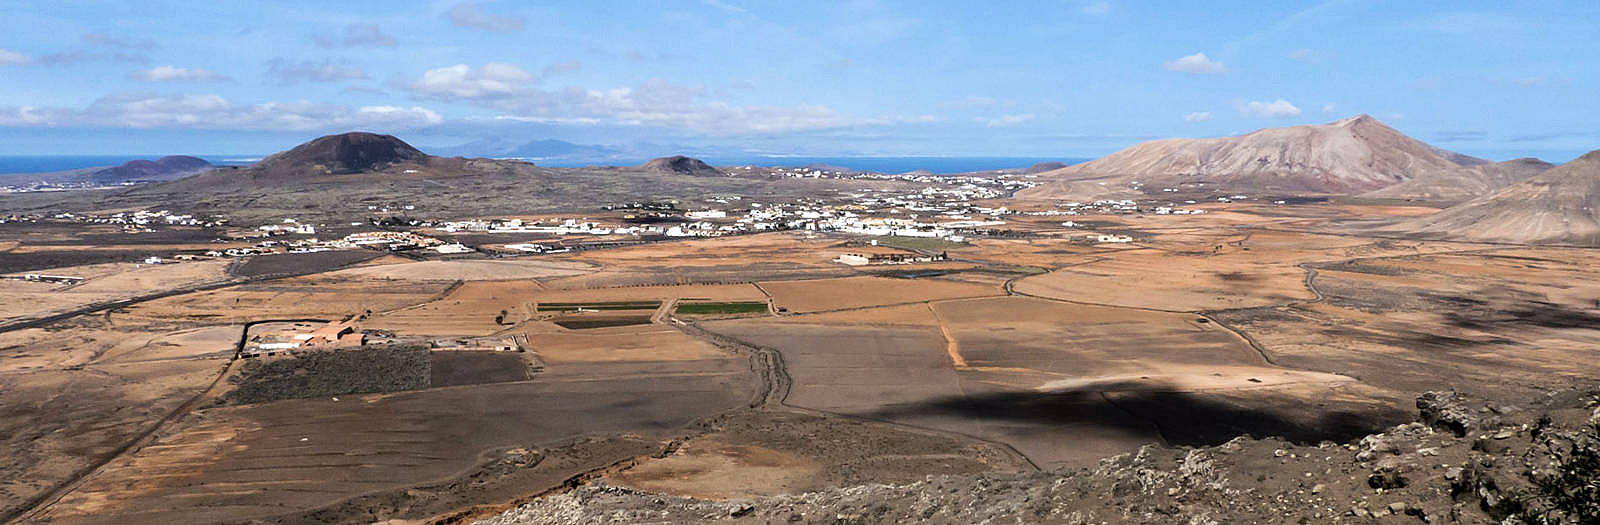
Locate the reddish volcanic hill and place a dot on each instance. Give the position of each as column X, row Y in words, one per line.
column 680, row 164
column 354, row 152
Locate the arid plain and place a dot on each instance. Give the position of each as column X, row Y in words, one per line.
column 1030, row 351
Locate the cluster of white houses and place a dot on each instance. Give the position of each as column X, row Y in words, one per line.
column 139, row 221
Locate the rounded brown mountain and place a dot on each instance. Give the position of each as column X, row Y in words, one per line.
column 354, row 152
column 680, row 164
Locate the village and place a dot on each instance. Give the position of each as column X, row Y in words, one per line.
column 947, row 208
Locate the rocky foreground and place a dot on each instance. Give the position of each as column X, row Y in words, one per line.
column 1462, row 462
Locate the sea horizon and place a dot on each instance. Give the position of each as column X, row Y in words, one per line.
column 27, row 164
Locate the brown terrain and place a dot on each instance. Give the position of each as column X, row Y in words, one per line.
column 680, row 164
column 1352, row 156
column 1261, row 362
column 1556, row 207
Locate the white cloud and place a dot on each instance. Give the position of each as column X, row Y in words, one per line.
column 1005, row 121
column 397, row 116
column 493, row 80
column 1197, row 64
column 1100, row 8
column 285, row 72
column 657, row 103
column 356, row 35
column 1198, row 116
column 13, row 58
column 1329, row 108
column 683, row 107
column 216, row 112
column 176, row 74
column 1276, row 109
column 472, row 15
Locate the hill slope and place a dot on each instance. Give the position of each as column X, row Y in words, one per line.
column 165, row 168
column 680, row 164
column 1463, row 184
column 1351, row 156
column 345, row 153
column 1557, row 206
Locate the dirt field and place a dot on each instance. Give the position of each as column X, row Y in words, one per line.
column 1037, row 374
column 736, row 259
column 635, row 343
column 301, row 297
column 468, row 309
column 253, row 461
column 56, row 422
column 476, row 368
column 465, row 270
column 857, row 292
column 754, row 453
column 1495, row 321
column 708, row 292
column 1194, row 271
column 103, row 282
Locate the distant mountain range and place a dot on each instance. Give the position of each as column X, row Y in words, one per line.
column 1354, row 156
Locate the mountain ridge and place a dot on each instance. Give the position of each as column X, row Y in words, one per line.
column 1349, row 156
column 1558, row 206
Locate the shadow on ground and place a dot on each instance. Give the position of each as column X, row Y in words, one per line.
column 1184, row 419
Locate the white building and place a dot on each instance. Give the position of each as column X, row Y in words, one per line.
column 852, row 259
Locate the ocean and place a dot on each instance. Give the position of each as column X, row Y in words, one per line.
column 51, row 163
column 942, row 165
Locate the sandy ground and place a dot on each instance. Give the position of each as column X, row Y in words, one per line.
column 1034, row 374
column 285, row 298
column 468, row 309
column 857, row 292
column 464, row 270
column 55, row 422
column 253, row 461
column 103, row 282
column 634, row 343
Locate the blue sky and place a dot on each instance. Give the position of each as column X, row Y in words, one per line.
column 1059, row 78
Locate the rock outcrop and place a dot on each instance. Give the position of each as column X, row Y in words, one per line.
column 1534, row 464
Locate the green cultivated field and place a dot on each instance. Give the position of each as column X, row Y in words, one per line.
column 613, row 305
column 722, row 308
